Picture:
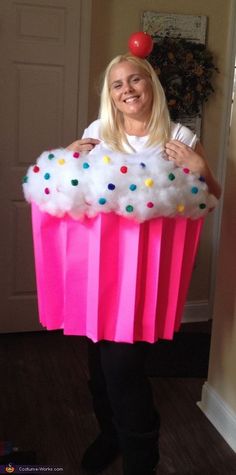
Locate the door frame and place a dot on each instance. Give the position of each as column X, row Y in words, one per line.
column 84, row 65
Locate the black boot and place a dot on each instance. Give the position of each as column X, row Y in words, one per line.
column 140, row 452
column 101, row 453
column 105, row 448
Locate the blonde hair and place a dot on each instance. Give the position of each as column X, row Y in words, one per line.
column 112, row 131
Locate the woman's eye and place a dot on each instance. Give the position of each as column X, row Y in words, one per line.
column 136, row 79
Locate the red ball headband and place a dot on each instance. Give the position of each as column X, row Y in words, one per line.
column 140, row 44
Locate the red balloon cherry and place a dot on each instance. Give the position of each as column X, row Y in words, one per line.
column 140, row 44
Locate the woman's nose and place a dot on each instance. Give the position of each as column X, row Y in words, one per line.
column 127, row 87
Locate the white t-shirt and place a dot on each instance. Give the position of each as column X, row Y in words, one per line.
column 178, row 132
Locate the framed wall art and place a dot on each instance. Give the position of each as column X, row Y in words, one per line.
column 179, row 58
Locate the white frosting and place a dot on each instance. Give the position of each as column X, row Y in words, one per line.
column 149, row 186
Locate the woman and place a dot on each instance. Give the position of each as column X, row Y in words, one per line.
column 133, row 117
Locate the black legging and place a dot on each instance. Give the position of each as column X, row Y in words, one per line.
column 117, row 370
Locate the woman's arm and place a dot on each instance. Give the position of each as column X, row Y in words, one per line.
column 86, row 143
column 195, row 161
column 83, row 145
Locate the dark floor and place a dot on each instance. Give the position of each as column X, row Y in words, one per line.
column 45, row 407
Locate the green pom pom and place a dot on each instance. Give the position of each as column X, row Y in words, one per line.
column 74, row 182
column 102, row 201
column 171, row 176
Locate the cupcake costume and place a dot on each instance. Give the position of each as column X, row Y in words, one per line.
column 115, row 238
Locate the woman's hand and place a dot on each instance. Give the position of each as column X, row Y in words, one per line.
column 83, row 145
column 185, row 156
column 194, row 160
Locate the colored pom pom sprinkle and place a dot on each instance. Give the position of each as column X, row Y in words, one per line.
column 129, row 208
column 180, row 208
column 106, row 159
column 61, row 161
column 149, row 182
column 190, row 197
column 102, row 201
column 74, row 182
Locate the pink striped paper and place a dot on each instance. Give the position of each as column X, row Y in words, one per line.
column 112, row 278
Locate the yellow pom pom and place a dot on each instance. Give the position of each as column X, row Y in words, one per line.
column 106, row 159
column 180, row 208
column 149, row 182
column 61, row 161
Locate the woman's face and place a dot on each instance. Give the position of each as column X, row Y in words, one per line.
column 131, row 90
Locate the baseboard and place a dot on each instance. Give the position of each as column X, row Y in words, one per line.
column 196, row 311
column 219, row 414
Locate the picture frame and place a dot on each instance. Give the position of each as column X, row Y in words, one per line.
column 189, row 27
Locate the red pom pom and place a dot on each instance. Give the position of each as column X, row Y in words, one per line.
column 140, row 44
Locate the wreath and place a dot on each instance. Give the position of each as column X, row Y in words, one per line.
column 185, row 70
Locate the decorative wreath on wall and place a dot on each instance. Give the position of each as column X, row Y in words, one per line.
column 185, row 70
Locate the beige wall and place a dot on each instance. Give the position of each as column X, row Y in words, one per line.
column 112, row 23
column 222, row 369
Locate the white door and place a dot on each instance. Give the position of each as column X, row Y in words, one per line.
column 43, row 51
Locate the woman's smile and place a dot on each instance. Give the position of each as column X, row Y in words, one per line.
column 131, row 99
